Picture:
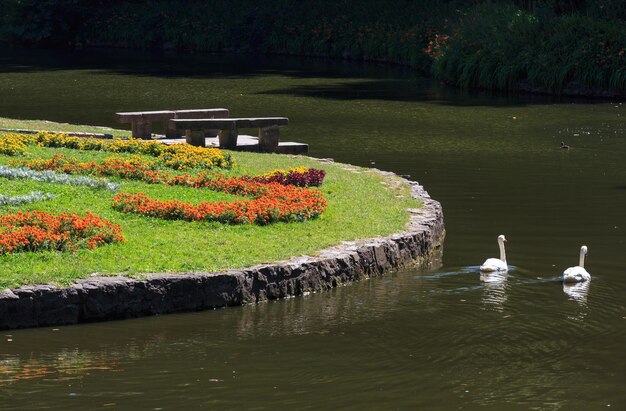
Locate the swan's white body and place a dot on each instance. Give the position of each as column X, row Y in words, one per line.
column 577, row 274
column 496, row 264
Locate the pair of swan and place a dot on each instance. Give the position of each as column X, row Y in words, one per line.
column 571, row 275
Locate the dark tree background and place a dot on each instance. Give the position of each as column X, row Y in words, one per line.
column 471, row 43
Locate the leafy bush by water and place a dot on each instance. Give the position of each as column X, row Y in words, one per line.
column 500, row 47
column 549, row 44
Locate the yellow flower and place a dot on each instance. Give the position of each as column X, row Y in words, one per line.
column 12, row 144
column 176, row 156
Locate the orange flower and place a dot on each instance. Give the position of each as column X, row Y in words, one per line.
column 272, row 202
column 38, row 230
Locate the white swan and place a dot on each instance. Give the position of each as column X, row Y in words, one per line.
column 495, row 264
column 577, row 274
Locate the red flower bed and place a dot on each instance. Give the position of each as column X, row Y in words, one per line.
column 38, row 230
column 130, row 168
column 307, row 178
column 272, row 203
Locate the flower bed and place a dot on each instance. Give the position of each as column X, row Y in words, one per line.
column 12, row 144
column 281, row 195
column 272, row 203
column 297, row 176
column 137, row 168
column 175, row 156
column 38, row 230
column 129, row 168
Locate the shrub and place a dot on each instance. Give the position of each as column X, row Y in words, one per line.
column 489, row 48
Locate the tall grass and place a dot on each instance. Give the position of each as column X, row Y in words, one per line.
column 499, row 47
column 487, row 48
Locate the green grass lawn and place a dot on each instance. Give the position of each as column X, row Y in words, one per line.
column 359, row 206
column 11, row 123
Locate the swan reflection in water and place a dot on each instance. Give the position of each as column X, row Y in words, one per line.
column 577, row 291
column 494, row 289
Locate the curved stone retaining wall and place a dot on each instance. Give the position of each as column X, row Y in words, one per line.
column 110, row 298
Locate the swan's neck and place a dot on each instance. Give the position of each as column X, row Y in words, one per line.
column 581, row 261
column 502, row 253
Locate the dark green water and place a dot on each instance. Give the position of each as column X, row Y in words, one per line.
column 438, row 340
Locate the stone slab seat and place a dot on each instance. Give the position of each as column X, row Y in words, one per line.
column 141, row 121
column 229, row 130
column 172, row 132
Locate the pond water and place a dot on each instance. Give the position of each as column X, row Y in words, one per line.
column 415, row 339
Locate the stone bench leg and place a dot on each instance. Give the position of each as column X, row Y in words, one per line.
column 268, row 139
column 142, row 129
column 170, row 130
column 228, row 137
column 195, row 137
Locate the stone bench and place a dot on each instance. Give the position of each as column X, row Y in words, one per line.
column 229, row 130
column 141, row 121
